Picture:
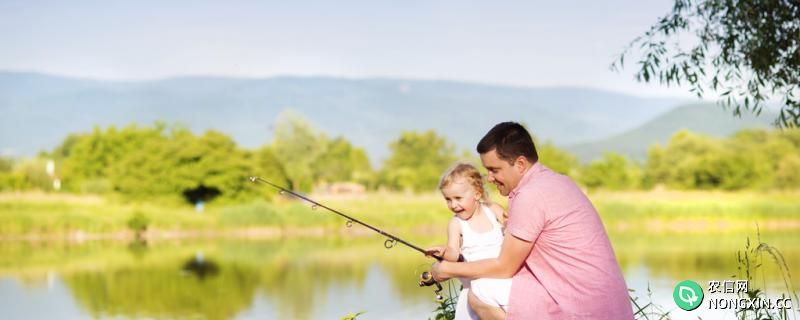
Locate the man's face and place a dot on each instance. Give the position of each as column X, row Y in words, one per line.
column 504, row 175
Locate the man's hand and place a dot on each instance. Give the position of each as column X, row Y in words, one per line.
column 438, row 273
column 512, row 257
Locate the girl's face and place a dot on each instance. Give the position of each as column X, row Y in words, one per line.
column 462, row 199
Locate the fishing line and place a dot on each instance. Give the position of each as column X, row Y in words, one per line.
column 388, row 244
column 426, row 278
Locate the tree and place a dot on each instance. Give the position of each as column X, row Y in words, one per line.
column 6, row 164
column 145, row 172
column 6, row 180
column 613, row 171
column 681, row 163
column 269, row 167
column 297, row 144
column 341, row 161
column 557, row 159
column 89, row 157
column 189, row 167
column 418, row 160
column 747, row 51
column 750, row 159
column 788, row 174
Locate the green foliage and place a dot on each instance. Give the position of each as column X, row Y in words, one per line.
column 8, row 179
column 65, row 149
column 787, row 175
column 341, row 161
column 184, row 165
column 750, row 260
column 297, row 145
column 91, row 156
column 96, row 186
column 746, row 51
column 649, row 310
column 161, row 162
column 687, row 162
column 268, row 166
column 6, row 164
column 613, row 172
column 750, row 159
column 417, row 161
column 446, row 307
column 173, row 164
column 210, row 165
column 138, row 222
column 30, row 174
column 557, row 159
column 310, row 157
column 351, row 316
column 7, row 182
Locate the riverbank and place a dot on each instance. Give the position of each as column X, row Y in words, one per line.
column 52, row 216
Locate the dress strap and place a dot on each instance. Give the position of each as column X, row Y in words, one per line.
column 492, row 217
column 464, row 225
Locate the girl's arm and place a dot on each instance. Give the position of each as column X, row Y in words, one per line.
column 453, row 249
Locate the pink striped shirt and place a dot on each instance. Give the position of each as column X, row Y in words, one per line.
column 572, row 272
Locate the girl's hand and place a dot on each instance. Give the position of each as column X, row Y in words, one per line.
column 435, row 251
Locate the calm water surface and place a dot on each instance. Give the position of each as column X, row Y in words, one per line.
column 323, row 278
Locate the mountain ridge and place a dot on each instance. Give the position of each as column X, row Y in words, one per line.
column 707, row 118
column 43, row 109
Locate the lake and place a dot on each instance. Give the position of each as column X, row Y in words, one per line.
column 322, row 277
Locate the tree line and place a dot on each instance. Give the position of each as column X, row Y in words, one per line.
column 169, row 161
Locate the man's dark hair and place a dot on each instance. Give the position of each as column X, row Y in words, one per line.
column 510, row 140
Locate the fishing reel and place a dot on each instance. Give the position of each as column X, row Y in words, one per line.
column 426, row 280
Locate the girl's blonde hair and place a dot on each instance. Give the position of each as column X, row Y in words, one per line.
column 467, row 172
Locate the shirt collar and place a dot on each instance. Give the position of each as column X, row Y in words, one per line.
column 532, row 171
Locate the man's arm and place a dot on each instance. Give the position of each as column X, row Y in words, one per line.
column 512, row 256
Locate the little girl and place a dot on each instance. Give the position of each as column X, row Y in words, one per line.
column 475, row 232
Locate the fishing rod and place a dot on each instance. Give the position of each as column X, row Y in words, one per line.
column 426, row 278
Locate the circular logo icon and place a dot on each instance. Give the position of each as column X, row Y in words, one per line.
column 688, row 295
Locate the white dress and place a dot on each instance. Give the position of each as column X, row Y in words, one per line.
column 479, row 246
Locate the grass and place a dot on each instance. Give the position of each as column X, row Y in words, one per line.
column 656, row 211
column 751, row 267
column 28, row 216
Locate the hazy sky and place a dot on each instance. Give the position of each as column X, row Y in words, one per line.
column 526, row 43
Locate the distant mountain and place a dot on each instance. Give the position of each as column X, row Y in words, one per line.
column 708, row 118
column 38, row 111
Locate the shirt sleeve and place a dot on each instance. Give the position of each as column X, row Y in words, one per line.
column 526, row 216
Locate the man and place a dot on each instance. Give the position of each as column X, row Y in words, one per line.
column 555, row 246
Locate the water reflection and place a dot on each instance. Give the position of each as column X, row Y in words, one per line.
column 199, row 267
column 306, row 278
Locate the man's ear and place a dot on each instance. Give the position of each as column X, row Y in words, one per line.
column 520, row 163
